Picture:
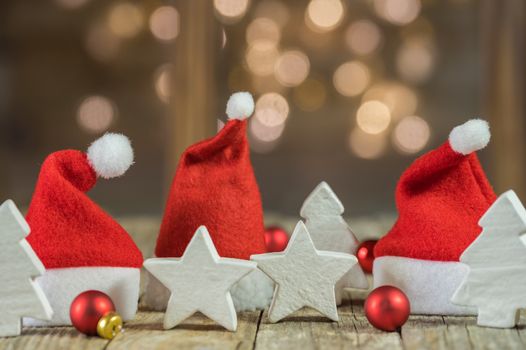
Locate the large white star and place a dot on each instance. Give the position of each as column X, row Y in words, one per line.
column 200, row 281
column 304, row 276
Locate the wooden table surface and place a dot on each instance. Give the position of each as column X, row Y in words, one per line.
column 302, row 330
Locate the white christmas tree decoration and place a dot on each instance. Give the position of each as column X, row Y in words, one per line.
column 496, row 282
column 20, row 295
column 322, row 211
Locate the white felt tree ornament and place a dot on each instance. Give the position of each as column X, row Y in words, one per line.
column 20, row 295
column 304, row 276
column 322, row 211
column 496, row 282
column 200, row 281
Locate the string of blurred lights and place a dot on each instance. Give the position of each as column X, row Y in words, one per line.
column 385, row 99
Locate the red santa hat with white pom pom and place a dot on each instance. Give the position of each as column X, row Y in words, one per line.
column 215, row 186
column 81, row 246
column 440, row 199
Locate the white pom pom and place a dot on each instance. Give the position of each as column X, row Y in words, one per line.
column 111, row 155
column 254, row 291
column 470, row 136
column 240, row 106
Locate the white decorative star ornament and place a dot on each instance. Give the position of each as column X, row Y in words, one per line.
column 304, row 276
column 200, row 281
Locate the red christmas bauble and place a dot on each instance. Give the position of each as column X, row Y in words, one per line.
column 276, row 239
column 88, row 308
column 387, row 308
column 365, row 255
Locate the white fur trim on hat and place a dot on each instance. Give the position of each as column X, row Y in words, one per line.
column 469, row 137
column 240, row 106
column 111, row 155
column 254, row 291
column 63, row 285
column 429, row 285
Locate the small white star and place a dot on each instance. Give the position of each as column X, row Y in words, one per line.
column 200, row 281
column 304, row 276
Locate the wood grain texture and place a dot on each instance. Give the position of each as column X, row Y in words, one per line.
column 197, row 332
column 56, row 338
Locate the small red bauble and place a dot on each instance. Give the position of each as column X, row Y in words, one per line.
column 387, row 308
column 365, row 255
column 88, row 308
column 276, row 239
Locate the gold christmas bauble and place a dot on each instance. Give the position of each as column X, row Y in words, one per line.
column 109, row 325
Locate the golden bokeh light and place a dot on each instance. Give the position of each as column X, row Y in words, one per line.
column 162, row 82
column 365, row 145
column 351, row 78
column 310, row 95
column 411, row 134
column 95, row 114
column 101, row 43
column 373, row 117
column 230, row 11
column 292, row 68
column 273, row 9
column 324, row 15
column 400, row 99
column 164, row 23
column 415, row 60
column 261, row 61
column 264, row 132
column 272, row 109
column 363, row 37
column 263, row 33
column 398, row 12
column 125, row 20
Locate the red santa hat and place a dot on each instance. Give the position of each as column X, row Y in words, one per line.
column 440, row 199
column 81, row 246
column 215, row 186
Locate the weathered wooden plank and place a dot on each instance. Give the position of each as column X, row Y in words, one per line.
column 494, row 338
column 56, row 338
column 457, row 335
column 306, row 329
column 424, row 332
column 198, row 332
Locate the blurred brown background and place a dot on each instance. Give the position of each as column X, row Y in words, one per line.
column 349, row 92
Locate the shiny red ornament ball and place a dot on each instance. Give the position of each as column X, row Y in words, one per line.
column 365, row 255
column 88, row 308
column 387, row 308
column 276, row 239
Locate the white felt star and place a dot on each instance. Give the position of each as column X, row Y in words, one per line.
column 304, row 276
column 200, row 281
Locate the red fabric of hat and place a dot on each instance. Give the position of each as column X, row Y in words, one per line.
column 215, row 186
column 440, row 199
column 67, row 228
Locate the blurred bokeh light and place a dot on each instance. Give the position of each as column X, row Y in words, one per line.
column 95, row 114
column 373, row 117
column 125, row 20
column 164, row 23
